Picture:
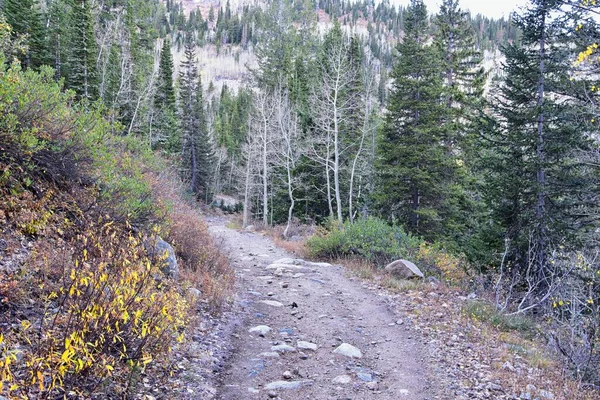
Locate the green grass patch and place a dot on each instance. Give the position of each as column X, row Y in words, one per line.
column 482, row 311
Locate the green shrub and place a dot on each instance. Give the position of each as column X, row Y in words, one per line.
column 372, row 239
column 482, row 311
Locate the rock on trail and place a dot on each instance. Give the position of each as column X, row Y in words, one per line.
column 306, row 331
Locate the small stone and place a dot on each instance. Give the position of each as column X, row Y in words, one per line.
column 285, row 385
column 531, row 388
column 272, row 303
column 283, row 348
column 306, row 345
column 303, row 356
column 342, row 379
column 546, row 395
column 494, row 387
column 285, row 285
column 272, row 394
column 194, row 292
column 508, row 366
column 399, row 322
column 270, row 294
column 348, row 350
column 371, row 385
column 404, row 392
column 253, row 390
column 365, row 377
column 262, row 330
column 287, row 375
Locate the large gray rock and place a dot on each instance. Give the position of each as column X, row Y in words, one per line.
column 348, row 350
column 404, row 269
column 164, row 253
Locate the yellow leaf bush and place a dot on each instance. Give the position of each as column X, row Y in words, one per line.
column 110, row 314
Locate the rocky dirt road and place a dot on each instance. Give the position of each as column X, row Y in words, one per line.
column 306, row 331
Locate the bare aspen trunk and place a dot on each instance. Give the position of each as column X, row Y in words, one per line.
column 247, row 190
column 265, row 174
column 353, row 172
column 328, row 177
column 336, row 166
column 290, row 189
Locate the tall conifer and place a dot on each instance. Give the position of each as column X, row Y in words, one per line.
column 197, row 151
column 533, row 185
column 25, row 18
column 416, row 183
column 83, row 75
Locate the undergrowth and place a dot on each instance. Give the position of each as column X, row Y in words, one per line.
column 486, row 312
column 84, row 309
column 379, row 243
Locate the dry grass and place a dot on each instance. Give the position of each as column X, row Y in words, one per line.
column 298, row 233
column 204, row 266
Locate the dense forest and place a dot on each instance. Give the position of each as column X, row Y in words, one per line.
column 473, row 135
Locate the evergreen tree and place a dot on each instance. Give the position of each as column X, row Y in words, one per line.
column 165, row 91
column 461, row 61
column 275, row 52
column 165, row 127
column 533, row 185
column 58, row 15
column 25, row 18
column 416, row 175
column 83, row 76
column 197, row 151
column 464, row 80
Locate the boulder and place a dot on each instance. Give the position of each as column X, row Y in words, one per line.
column 164, row 253
column 403, row 269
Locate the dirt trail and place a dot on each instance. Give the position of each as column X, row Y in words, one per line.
column 331, row 309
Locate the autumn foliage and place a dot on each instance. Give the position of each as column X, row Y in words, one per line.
column 84, row 309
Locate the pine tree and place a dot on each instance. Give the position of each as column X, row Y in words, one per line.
column 58, row 15
column 83, row 76
column 165, row 91
column 165, row 128
column 464, row 80
column 416, row 175
column 461, row 61
column 533, row 186
column 25, row 18
column 197, row 153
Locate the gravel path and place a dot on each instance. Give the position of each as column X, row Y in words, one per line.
column 306, row 331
